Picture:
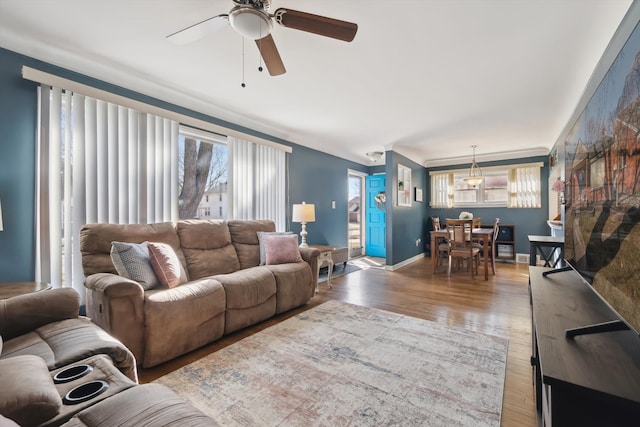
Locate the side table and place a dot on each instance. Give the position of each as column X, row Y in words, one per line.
column 324, row 259
column 13, row 289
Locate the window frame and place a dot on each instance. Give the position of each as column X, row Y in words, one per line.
column 440, row 186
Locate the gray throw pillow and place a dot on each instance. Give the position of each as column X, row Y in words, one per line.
column 261, row 234
column 132, row 261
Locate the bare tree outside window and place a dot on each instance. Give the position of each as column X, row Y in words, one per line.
column 202, row 167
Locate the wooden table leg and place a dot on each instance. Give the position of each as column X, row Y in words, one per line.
column 433, row 253
column 486, row 256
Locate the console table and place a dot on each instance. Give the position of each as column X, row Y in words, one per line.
column 538, row 244
column 589, row 380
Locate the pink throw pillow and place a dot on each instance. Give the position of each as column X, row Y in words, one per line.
column 166, row 264
column 281, row 249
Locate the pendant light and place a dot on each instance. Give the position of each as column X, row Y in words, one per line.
column 475, row 173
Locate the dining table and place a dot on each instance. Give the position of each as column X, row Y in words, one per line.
column 483, row 234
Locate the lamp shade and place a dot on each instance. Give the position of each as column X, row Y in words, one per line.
column 304, row 212
column 475, row 173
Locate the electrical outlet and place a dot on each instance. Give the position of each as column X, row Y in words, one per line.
column 418, row 242
column 333, row 204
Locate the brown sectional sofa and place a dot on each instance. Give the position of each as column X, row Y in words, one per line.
column 46, row 324
column 43, row 343
column 227, row 288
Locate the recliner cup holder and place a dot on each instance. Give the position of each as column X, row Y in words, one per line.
column 84, row 392
column 72, row 373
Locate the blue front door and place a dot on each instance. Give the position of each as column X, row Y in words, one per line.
column 376, row 244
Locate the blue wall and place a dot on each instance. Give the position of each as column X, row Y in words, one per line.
column 527, row 221
column 321, row 178
column 407, row 224
column 18, row 106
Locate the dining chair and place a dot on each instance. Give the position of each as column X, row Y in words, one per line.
column 492, row 245
column 442, row 246
column 476, row 222
column 460, row 246
column 493, row 249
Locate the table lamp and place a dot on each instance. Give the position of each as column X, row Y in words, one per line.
column 304, row 213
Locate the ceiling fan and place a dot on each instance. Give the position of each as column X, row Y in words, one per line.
column 252, row 20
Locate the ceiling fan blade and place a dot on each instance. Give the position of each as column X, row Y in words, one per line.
column 199, row 30
column 270, row 55
column 321, row 25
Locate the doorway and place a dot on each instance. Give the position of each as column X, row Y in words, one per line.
column 375, row 224
column 356, row 232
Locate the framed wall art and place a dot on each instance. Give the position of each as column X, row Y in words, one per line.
column 404, row 186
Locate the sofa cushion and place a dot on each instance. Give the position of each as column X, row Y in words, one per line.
column 144, row 405
column 261, row 234
column 244, row 235
column 28, row 395
column 294, row 284
column 182, row 319
column 207, row 248
column 67, row 341
column 281, row 249
column 166, row 265
column 95, row 242
column 248, row 287
column 24, row 313
column 132, row 261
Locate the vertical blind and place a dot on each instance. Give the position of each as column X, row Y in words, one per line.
column 97, row 162
column 524, row 187
column 257, row 182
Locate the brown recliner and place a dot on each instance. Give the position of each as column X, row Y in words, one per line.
column 46, row 324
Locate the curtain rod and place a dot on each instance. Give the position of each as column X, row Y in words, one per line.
column 42, row 77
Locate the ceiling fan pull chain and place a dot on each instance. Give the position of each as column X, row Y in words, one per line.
column 260, row 49
column 243, row 85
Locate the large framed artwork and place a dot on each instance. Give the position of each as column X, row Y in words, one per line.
column 602, row 186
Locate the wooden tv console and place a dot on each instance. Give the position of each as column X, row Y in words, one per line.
column 589, row 380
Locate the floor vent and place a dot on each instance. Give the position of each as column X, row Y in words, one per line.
column 522, row 258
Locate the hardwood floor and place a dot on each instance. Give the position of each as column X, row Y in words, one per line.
column 498, row 307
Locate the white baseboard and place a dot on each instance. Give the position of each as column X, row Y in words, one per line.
column 403, row 263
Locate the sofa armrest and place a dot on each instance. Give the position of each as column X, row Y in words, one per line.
column 310, row 256
column 25, row 313
column 116, row 304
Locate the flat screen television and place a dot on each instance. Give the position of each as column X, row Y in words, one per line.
column 602, row 188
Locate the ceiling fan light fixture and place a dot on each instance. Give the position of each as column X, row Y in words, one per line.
column 250, row 23
column 374, row 156
column 475, row 173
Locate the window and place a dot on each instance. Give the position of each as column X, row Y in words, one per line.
column 202, row 171
column 492, row 191
column 515, row 186
column 99, row 162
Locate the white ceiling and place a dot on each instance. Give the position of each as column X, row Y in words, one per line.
column 426, row 78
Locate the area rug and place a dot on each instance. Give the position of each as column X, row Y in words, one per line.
column 341, row 364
